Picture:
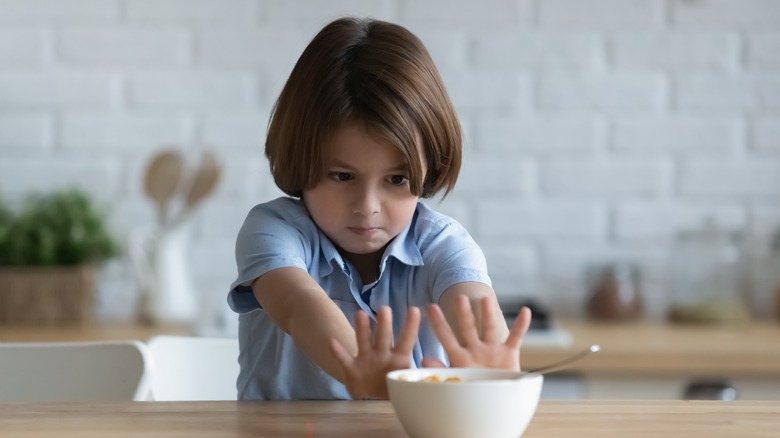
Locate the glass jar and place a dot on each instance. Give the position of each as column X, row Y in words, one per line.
column 775, row 245
column 777, row 291
column 614, row 292
column 708, row 277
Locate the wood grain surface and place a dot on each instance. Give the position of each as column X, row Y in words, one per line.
column 346, row 419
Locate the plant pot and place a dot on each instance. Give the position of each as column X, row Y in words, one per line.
column 56, row 295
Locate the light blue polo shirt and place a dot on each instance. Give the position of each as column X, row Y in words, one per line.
column 432, row 254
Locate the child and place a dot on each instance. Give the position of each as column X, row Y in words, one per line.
column 361, row 131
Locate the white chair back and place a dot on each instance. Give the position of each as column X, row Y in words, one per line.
column 74, row 371
column 194, row 368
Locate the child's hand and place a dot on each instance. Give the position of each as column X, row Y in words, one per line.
column 486, row 351
column 364, row 375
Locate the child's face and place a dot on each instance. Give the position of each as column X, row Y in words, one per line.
column 363, row 201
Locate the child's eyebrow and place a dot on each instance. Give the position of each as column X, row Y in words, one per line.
column 339, row 163
column 399, row 168
column 403, row 167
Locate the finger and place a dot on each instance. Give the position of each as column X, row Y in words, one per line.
column 443, row 330
column 362, row 331
column 466, row 321
column 408, row 335
column 341, row 354
column 488, row 323
column 519, row 328
column 383, row 333
column 432, row 362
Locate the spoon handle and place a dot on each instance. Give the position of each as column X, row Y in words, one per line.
column 557, row 365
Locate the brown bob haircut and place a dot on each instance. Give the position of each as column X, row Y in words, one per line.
column 375, row 74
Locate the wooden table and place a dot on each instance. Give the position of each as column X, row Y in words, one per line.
column 376, row 419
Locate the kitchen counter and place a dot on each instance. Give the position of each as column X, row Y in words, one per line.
column 635, row 348
column 638, row 360
column 651, row 360
column 651, row 348
column 89, row 332
column 376, row 419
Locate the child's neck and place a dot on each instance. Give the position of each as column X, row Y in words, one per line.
column 367, row 265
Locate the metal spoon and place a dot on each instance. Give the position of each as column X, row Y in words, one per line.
column 563, row 363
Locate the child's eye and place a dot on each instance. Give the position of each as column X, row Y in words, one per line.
column 341, row 176
column 398, row 180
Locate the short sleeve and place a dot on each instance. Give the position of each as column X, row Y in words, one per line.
column 269, row 239
column 452, row 256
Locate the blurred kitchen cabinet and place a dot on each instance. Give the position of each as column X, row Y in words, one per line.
column 658, row 360
column 629, row 387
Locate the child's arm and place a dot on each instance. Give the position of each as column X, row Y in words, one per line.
column 481, row 342
column 299, row 306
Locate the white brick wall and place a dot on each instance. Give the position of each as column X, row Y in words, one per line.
column 601, row 14
column 675, row 51
column 20, row 134
column 503, row 220
column 478, row 16
column 742, row 179
column 208, row 91
column 744, row 14
column 595, row 129
column 19, row 176
column 735, row 93
column 22, row 90
column 315, row 14
column 668, row 218
column 610, row 93
column 489, row 91
column 123, row 47
column 766, row 135
column 678, row 135
column 122, row 134
column 762, row 53
column 542, row 135
column 21, row 46
column 223, row 12
column 548, row 51
column 77, row 12
column 599, row 179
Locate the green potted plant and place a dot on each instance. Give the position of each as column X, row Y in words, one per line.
column 48, row 253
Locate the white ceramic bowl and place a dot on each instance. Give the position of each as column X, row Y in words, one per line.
column 486, row 403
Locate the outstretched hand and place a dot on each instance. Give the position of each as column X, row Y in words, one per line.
column 364, row 374
column 481, row 347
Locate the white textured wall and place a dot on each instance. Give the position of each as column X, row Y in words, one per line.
column 595, row 128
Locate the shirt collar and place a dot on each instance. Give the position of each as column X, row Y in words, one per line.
column 330, row 256
column 404, row 247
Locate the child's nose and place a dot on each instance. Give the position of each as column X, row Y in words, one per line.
column 366, row 201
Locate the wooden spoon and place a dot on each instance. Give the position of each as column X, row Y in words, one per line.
column 161, row 180
column 203, row 183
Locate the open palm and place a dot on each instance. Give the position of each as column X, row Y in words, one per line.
column 485, row 350
column 364, row 374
